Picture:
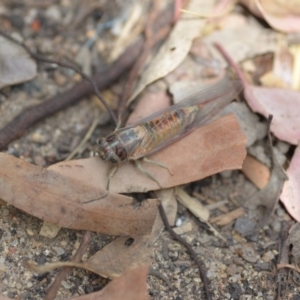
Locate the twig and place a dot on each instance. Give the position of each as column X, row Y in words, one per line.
column 86, row 137
column 41, row 58
column 154, row 272
column 232, row 63
column 190, row 250
column 52, row 291
column 283, row 259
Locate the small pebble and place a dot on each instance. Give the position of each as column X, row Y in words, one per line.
column 5, row 212
column 178, row 222
column 29, row 284
column 53, row 13
column 29, row 232
column 59, row 251
column 39, row 137
column 66, row 285
column 268, row 256
column 49, row 230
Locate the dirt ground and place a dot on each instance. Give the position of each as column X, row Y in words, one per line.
column 240, row 269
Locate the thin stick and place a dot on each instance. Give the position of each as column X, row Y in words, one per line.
column 52, row 291
column 86, row 137
column 190, row 250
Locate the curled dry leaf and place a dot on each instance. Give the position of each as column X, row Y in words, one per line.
column 207, row 150
column 131, row 285
column 176, row 47
column 268, row 197
column 70, row 203
column 281, row 15
column 16, row 64
column 290, row 195
column 123, row 254
column 283, row 104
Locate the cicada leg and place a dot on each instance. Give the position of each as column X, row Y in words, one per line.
column 158, row 164
column 138, row 165
column 111, row 174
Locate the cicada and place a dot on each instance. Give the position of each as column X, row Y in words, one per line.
column 164, row 127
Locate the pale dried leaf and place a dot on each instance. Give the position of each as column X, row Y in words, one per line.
column 238, row 42
column 131, row 285
column 192, row 204
column 16, row 66
column 290, row 195
column 72, row 203
column 176, row 47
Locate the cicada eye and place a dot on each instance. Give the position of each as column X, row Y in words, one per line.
column 110, row 138
column 121, row 152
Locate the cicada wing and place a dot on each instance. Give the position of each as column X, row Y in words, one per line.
column 224, row 92
column 211, row 101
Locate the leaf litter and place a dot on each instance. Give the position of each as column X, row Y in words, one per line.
column 142, row 245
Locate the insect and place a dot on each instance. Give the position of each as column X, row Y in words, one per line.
column 162, row 128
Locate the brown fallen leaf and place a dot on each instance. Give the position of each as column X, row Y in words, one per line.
column 256, row 172
column 4, row 297
column 208, row 150
column 227, row 218
column 124, row 253
column 70, row 203
column 131, row 285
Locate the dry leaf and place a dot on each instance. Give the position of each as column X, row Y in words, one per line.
column 281, row 15
column 123, row 254
column 290, row 195
column 131, row 285
column 208, row 150
column 175, row 48
column 238, row 42
column 192, row 204
column 283, row 104
column 256, row 172
column 72, row 203
column 16, row 65
column 227, row 218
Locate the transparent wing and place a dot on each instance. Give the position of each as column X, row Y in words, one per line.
column 216, row 96
column 211, row 101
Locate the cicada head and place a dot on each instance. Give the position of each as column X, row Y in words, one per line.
column 109, row 149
